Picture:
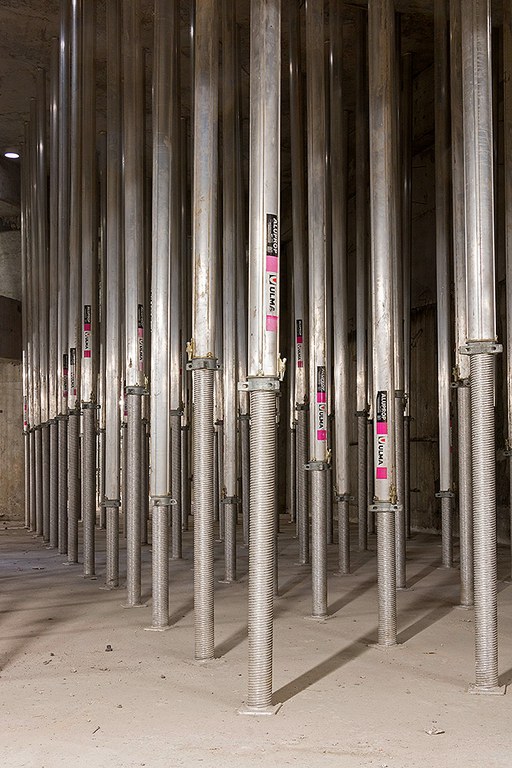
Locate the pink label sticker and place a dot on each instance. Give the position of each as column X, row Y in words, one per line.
column 87, row 326
column 300, row 364
column 382, row 473
column 87, row 353
column 321, row 397
column 321, row 434
column 272, row 321
column 382, row 427
column 272, row 264
column 140, row 332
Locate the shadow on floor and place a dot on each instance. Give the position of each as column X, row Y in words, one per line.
column 327, row 667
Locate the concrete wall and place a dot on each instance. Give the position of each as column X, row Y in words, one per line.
column 11, row 441
column 11, row 397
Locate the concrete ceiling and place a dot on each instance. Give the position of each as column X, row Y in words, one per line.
column 28, row 26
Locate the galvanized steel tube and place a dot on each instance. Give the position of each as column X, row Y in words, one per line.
column 299, row 278
column 133, row 289
column 53, row 366
column 338, row 141
column 362, row 205
column 462, row 367
column 442, row 165
column 507, row 136
column 317, row 217
column 113, row 278
column 165, row 20
column 229, row 263
column 382, row 102
column 89, row 288
column 202, row 347
column 481, row 329
column 263, row 365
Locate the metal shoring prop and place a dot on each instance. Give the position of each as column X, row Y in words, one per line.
column 89, row 295
column 218, row 408
column 75, row 284
column 230, row 499
column 443, row 255
column 25, row 326
column 507, row 136
column 398, row 323
column 102, row 302
column 176, row 346
column 362, row 204
column 185, row 325
column 41, row 192
column 318, row 378
column 406, row 200
column 462, row 364
column 53, row 380
column 163, row 149
column 202, row 359
column 133, row 147
column 481, row 343
column 63, row 272
column 113, row 278
column 338, row 139
column 36, row 346
column 382, row 101
column 264, row 366
column 291, row 469
column 33, row 379
column 329, row 366
column 369, row 371
column 299, row 281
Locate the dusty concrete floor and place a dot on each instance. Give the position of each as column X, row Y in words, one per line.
column 65, row 700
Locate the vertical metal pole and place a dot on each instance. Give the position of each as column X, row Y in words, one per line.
column 507, row 134
column 229, row 245
column 382, row 101
column 75, row 268
column 41, row 221
column 318, row 378
column 203, row 361
column 462, row 361
column 163, row 149
column 25, row 319
column 406, row 157
column 338, row 139
column 63, row 269
column 178, row 196
column 362, row 205
column 442, row 165
column 102, row 324
column 398, row 313
column 263, row 359
column 186, row 319
column 299, row 279
column 113, row 278
column 53, row 382
column 481, row 328
column 89, row 302
column 133, row 289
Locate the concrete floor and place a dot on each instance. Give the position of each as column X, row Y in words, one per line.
column 65, row 700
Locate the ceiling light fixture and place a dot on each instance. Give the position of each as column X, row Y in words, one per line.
column 11, row 155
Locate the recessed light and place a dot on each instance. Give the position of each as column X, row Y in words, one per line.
column 12, row 155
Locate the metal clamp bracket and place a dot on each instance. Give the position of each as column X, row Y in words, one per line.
column 362, row 414
column 244, row 417
column 460, row 383
column 142, row 391
column 230, row 500
column 163, row 501
column 110, row 503
column 445, row 495
column 302, row 406
column 258, row 383
column 318, row 466
column 481, row 348
column 176, row 411
column 91, row 406
column 384, row 506
column 202, row 363
column 507, row 452
column 343, row 497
